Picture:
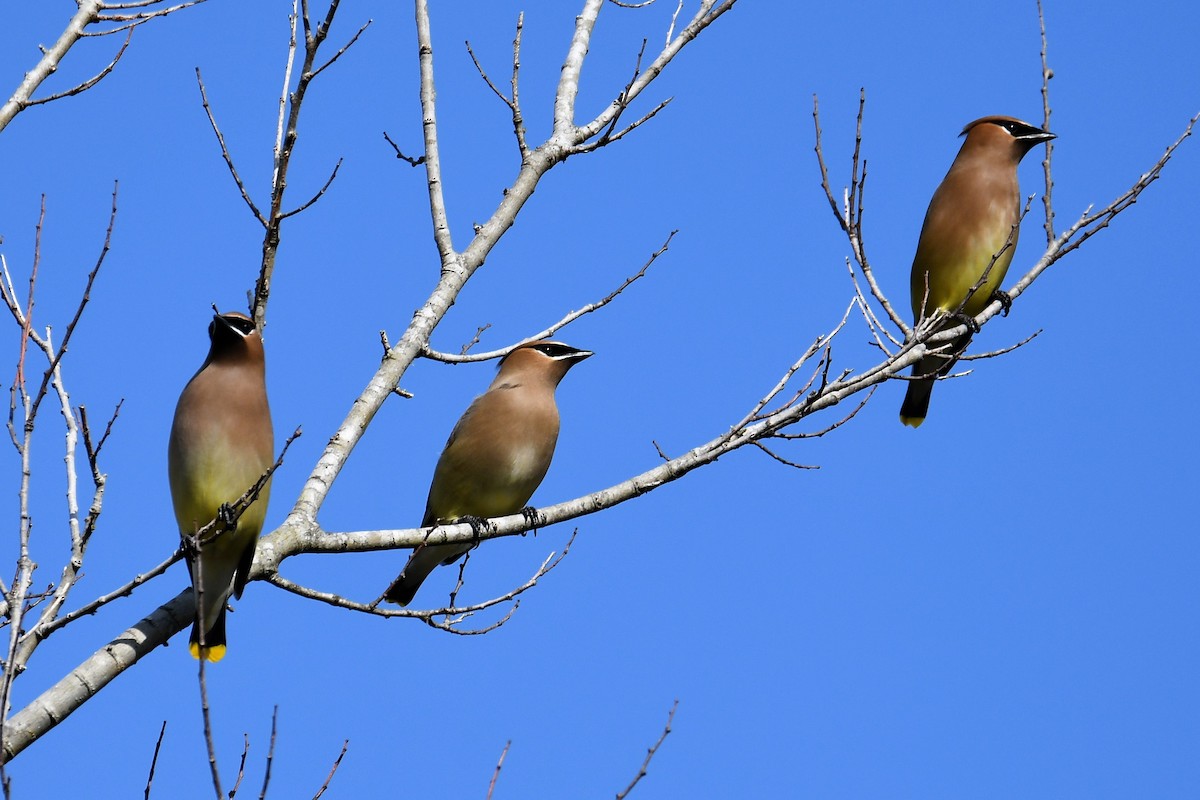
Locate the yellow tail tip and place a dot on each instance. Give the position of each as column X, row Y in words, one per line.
column 214, row 653
column 912, row 422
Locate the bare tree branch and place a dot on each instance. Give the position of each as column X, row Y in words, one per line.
column 1047, row 74
column 241, row 773
column 136, row 19
column 454, row 615
column 496, row 774
column 621, row 795
column 320, row 193
column 849, row 216
column 201, row 677
column 412, row 162
column 433, row 159
column 270, row 754
column 332, row 770
column 58, row 702
column 562, row 323
column 285, row 146
column 225, row 151
column 89, row 13
column 515, row 104
column 90, row 82
column 154, row 761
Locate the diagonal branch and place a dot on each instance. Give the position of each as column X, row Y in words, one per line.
column 1090, row 223
column 225, row 151
column 621, row 795
column 451, row 358
column 708, row 13
column 849, row 216
column 90, row 82
column 88, row 13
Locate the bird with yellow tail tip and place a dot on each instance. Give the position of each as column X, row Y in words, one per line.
column 497, row 454
column 221, row 444
column 970, row 229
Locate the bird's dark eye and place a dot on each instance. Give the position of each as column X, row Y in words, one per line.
column 554, row 349
column 245, row 326
column 1022, row 130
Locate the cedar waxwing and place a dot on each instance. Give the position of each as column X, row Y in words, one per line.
column 973, row 216
column 497, row 454
column 221, row 444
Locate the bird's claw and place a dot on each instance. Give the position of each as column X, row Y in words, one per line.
column 968, row 320
column 189, row 543
column 479, row 526
column 1005, row 301
column 532, row 518
column 225, row 516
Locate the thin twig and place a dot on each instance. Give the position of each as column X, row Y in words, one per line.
column 1003, row 350
column 281, row 113
column 1091, row 223
column 320, row 193
column 87, row 14
column 621, row 795
column 517, row 117
column 154, row 761
column 337, row 763
column 412, row 162
column 241, row 773
column 342, row 50
column 783, row 460
column 90, row 82
column 214, row 770
column 496, row 773
column 849, row 215
column 137, row 19
column 483, row 74
column 474, row 339
column 833, row 425
column 285, row 146
column 455, row 614
column 464, row 357
column 270, row 753
column 1047, row 74
column 44, row 631
column 225, row 152
column 83, row 301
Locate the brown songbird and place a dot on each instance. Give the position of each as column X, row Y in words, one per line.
column 970, row 228
column 497, row 454
column 221, row 444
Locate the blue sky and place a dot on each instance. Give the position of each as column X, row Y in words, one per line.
column 1000, row 604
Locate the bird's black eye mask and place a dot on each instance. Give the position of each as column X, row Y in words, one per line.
column 555, row 350
column 240, row 324
column 1020, row 129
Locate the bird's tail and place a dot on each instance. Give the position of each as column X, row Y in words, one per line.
column 214, row 641
column 916, row 403
column 925, row 374
column 422, row 562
